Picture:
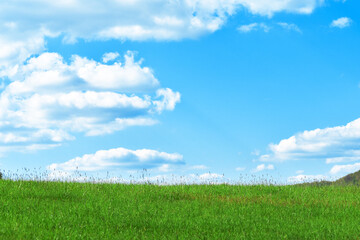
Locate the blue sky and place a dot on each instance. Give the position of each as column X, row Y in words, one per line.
column 205, row 89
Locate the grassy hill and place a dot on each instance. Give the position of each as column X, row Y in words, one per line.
column 350, row 179
column 68, row 210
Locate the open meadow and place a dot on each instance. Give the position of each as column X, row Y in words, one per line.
column 69, row 210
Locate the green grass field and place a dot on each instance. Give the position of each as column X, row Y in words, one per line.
column 68, row 210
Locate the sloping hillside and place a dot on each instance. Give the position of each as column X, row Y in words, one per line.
column 350, row 179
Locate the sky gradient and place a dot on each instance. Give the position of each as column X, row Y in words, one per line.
column 200, row 90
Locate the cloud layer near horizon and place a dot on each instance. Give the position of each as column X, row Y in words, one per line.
column 119, row 158
column 332, row 145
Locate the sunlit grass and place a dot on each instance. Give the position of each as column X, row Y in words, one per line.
column 69, row 210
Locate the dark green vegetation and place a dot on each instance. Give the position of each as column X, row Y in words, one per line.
column 65, row 210
column 352, row 179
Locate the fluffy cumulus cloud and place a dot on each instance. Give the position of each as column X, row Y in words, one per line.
column 333, row 145
column 139, row 19
column 120, row 158
column 46, row 100
column 263, row 167
column 24, row 24
column 111, row 56
column 342, row 22
column 345, row 169
column 264, row 7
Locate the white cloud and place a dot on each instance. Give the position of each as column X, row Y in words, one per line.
column 48, row 99
column 263, row 167
column 48, row 72
column 299, row 171
column 11, row 138
column 135, row 20
column 168, row 99
column 120, row 158
column 47, row 94
column 266, row 28
column 345, row 159
column 253, row 27
column 132, row 75
column 306, row 179
column 165, row 168
column 345, row 169
column 24, row 24
column 41, row 135
column 290, row 26
column 26, row 148
column 264, row 7
column 107, row 57
column 342, row 22
column 334, row 144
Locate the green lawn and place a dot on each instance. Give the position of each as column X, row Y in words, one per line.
column 60, row 210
